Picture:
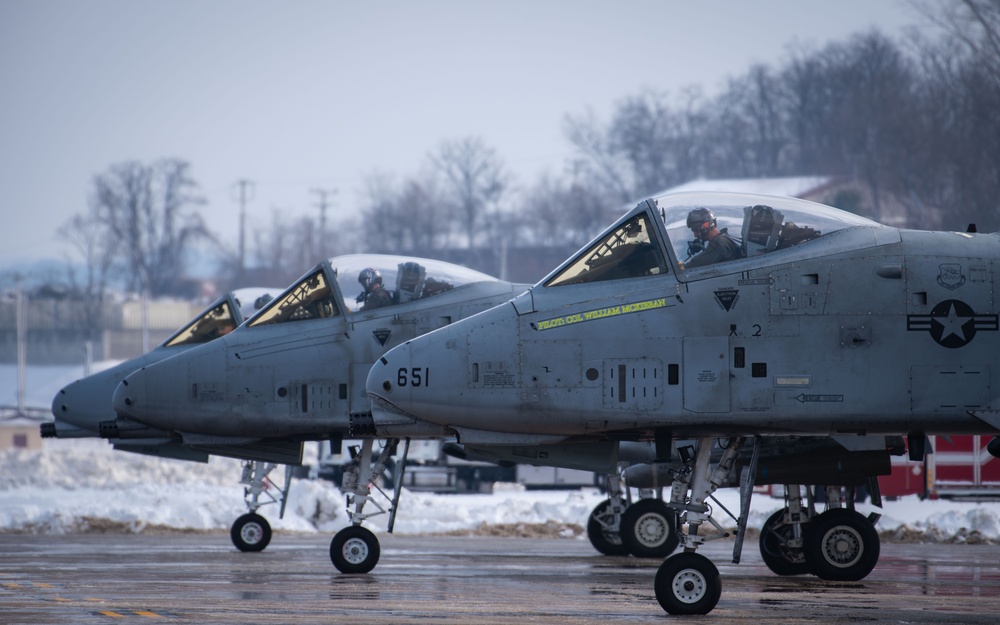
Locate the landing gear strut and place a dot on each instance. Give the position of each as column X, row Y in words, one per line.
column 252, row 532
column 604, row 523
column 646, row 528
column 687, row 582
column 355, row 549
column 781, row 537
column 840, row 544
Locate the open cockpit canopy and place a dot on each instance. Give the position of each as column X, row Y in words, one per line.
column 634, row 247
column 333, row 289
column 760, row 223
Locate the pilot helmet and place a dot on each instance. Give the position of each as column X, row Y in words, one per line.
column 369, row 277
column 701, row 220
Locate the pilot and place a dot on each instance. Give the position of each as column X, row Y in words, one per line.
column 716, row 245
column 374, row 295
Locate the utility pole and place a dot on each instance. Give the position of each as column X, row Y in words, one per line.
column 322, row 204
column 246, row 195
column 20, row 316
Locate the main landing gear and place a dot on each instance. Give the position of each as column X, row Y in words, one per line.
column 252, row 532
column 646, row 528
column 355, row 549
column 839, row 544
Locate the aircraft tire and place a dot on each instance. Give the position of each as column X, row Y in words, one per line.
column 649, row 529
column 250, row 532
column 841, row 545
column 606, row 542
column 780, row 559
column 354, row 549
column 687, row 583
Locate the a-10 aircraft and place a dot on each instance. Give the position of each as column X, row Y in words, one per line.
column 81, row 407
column 811, row 324
column 296, row 371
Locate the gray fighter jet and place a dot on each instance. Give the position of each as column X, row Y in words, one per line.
column 799, row 349
column 296, row 371
column 80, row 408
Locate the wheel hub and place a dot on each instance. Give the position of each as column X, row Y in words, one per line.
column 651, row 531
column 355, row 551
column 251, row 533
column 844, row 547
column 689, row 586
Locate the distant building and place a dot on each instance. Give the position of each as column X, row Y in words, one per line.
column 19, row 432
column 60, row 331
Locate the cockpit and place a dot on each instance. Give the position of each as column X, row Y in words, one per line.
column 334, row 289
column 628, row 251
column 405, row 278
column 755, row 225
column 759, row 224
column 221, row 318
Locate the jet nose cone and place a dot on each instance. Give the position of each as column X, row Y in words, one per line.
column 385, row 391
column 62, row 401
column 130, row 394
column 83, row 404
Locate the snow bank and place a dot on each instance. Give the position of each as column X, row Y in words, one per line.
column 84, row 485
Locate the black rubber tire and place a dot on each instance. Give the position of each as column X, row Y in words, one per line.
column 354, row 549
column 780, row 559
column 841, row 545
column 606, row 542
column 687, row 583
column 250, row 532
column 649, row 529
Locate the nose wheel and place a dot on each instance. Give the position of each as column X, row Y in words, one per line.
column 687, row 583
column 354, row 549
column 250, row 532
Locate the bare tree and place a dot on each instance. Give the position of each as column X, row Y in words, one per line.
column 383, row 221
column 98, row 251
column 973, row 23
column 596, row 157
column 411, row 216
column 647, row 146
column 147, row 209
column 749, row 134
column 424, row 213
column 475, row 180
column 565, row 213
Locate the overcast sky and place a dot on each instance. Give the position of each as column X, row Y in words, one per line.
column 301, row 95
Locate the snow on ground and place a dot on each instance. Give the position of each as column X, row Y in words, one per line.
column 84, row 485
column 81, row 485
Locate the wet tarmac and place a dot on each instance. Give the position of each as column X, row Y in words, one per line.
column 202, row 578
